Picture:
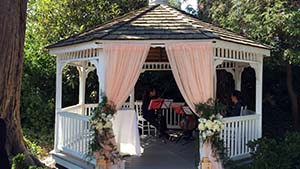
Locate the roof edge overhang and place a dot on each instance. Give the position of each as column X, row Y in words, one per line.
column 159, row 43
column 264, row 51
column 74, row 47
column 99, row 44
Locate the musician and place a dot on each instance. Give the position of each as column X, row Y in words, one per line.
column 235, row 109
column 150, row 115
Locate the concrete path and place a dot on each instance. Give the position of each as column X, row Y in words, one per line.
column 159, row 155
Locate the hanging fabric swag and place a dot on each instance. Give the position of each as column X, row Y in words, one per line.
column 123, row 63
column 192, row 67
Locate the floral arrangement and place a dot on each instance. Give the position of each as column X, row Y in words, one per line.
column 103, row 144
column 210, row 125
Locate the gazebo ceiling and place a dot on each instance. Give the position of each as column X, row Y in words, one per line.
column 159, row 22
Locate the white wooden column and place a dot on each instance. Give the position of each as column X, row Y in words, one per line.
column 258, row 67
column 238, row 78
column 58, row 101
column 83, row 71
column 82, row 81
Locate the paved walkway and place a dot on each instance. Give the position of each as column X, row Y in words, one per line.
column 159, row 155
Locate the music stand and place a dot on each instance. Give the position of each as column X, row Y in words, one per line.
column 155, row 104
column 167, row 103
column 187, row 110
column 184, row 111
column 178, row 109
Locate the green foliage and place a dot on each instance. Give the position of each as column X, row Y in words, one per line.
column 209, row 108
column 175, row 3
column 272, row 154
column 103, row 143
column 18, row 162
column 37, row 167
column 35, row 149
column 270, row 21
column 96, row 119
column 47, row 22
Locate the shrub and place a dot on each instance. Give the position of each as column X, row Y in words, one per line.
column 18, row 162
column 35, row 149
column 272, row 154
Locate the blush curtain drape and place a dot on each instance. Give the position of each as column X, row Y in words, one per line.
column 192, row 67
column 123, row 65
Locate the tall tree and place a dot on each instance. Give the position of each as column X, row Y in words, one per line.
column 269, row 21
column 12, row 34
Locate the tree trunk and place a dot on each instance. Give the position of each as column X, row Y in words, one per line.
column 12, row 35
column 293, row 97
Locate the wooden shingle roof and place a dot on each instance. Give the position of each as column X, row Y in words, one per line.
column 159, row 22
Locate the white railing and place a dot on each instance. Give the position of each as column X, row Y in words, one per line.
column 73, row 134
column 238, row 132
column 73, row 109
column 88, row 109
column 172, row 119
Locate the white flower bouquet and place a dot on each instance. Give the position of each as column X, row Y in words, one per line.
column 210, row 127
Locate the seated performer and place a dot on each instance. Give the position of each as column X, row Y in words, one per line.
column 235, row 109
column 150, row 115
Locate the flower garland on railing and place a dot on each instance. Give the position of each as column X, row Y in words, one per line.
column 103, row 145
column 210, row 126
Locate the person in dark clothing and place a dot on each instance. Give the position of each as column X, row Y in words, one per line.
column 150, row 115
column 237, row 105
column 4, row 162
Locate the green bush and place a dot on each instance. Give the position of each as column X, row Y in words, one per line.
column 272, row 154
column 18, row 162
column 35, row 149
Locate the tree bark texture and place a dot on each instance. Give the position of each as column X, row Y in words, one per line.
column 293, row 97
column 12, row 35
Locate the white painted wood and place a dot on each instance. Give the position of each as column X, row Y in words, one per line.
column 172, row 118
column 156, row 66
column 240, row 47
column 74, row 131
column 73, row 109
column 82, row 81
column 58, row 101
column 258, row 105
column 238, row 132
column 74, row 47
column 238, row 78
column 132, row 99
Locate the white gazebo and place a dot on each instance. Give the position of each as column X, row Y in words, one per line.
column 156, row 28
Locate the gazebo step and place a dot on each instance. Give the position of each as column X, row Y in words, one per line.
column 70, row 162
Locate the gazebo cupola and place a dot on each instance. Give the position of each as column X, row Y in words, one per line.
column 157, row 2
